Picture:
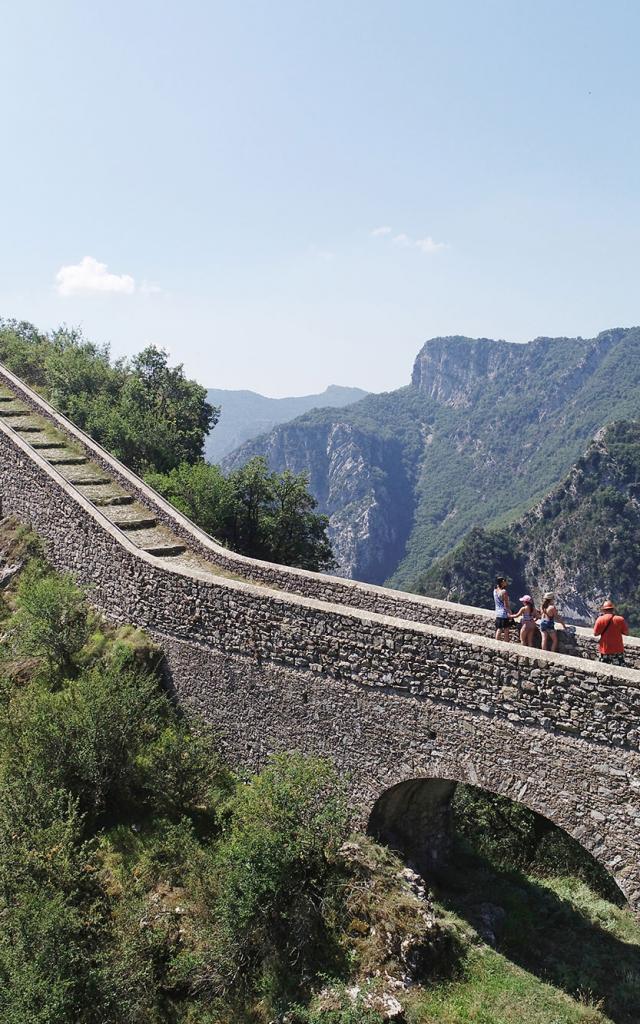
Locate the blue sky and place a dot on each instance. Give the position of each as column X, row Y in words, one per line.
column 213, row 177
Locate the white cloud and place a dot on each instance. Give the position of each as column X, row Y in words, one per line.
column 426, row 245
column 92, row 278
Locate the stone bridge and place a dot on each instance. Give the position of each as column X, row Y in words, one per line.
column 407, row 695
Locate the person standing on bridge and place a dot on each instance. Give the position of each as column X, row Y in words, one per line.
column 610, row 628
column 548, row 623
column 503, row 608
column 528, row 614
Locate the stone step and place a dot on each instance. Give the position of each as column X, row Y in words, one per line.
column 84, row 479
column 12, row 413
column 29, row 426
column 106, row 498
column 166, row 551
column 131, row 525
column 6, row 396
column 57, row 458
column 158, row 540
column 45, row 442
column 131, row 516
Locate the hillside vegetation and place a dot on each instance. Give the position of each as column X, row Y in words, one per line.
column 582, row 540
column 144, row 412
column 142, row 882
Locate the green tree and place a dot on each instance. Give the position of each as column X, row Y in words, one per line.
column 258, row 513
column 169, row 414
column 145, row 412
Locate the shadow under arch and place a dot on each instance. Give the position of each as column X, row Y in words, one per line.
column 569, row 944
column 415, row 819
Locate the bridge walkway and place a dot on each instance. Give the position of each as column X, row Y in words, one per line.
column 124, row 511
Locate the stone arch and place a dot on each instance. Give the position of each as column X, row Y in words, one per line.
column 414, row 818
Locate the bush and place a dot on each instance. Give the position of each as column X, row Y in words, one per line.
column 258, row 513
column 52, row 622
column 49, row 905
column 266, row 882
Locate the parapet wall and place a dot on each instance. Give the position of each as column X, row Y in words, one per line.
column 317, row 586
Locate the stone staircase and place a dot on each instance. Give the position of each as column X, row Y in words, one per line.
column 121, row 509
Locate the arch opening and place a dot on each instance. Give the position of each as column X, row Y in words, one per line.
column 426, row 821
column 415, row 819
column 522, row 883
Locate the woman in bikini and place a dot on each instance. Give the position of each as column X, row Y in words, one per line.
column 528, row 614
column 548, row 623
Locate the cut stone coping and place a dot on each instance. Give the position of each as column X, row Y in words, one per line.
column 607, row 674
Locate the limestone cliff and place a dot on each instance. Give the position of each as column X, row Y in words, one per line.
column 484, row 430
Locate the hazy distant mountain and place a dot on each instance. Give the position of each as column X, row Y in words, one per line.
column 246, row 414
column 483, row 431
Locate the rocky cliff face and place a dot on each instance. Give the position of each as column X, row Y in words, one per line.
column 483, row 430
column 582, row 541
column 358, row 481
column 246, row 414
column 449, row 370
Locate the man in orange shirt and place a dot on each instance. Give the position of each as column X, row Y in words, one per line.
column 610, row 628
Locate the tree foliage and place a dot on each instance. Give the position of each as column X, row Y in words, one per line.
column 147, row 413
column 261, row 514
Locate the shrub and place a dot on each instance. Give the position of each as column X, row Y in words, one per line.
column 266, row 882
column 52, row 621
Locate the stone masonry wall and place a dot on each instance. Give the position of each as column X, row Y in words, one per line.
column 349, row 593
column 385, row 697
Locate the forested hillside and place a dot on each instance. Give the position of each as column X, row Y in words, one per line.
column 582, row 540
column 484, row 430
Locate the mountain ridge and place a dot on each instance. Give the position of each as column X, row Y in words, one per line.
column 246, row 414
column 484, row 429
